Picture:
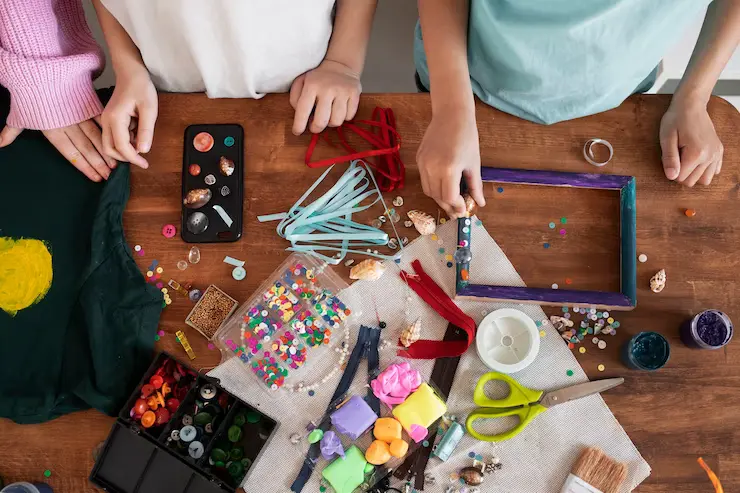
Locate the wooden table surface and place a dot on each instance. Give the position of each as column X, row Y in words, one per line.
column 688, row 409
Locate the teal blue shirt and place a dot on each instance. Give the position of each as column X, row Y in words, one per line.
column 554, row 60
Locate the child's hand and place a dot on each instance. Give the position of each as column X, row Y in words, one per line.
column 450, row 150
column 333, row 89
column 81, row 144
column 692, row 151
column 129, row 118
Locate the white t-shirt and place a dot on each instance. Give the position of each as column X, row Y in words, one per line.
column 227, row 48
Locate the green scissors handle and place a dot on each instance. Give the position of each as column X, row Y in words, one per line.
column 525, row 414
column 521, row 402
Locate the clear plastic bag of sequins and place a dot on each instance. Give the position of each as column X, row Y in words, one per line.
column 292, row 334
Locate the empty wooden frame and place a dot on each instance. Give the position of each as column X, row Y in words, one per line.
column 624, row 300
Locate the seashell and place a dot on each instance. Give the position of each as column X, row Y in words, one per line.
column 226, row 166
column 424, row 223
column 471, row 475
column 470, row 205
column 411, row 334
column 368, row 270
column 560, row 323
column 657, row 282
column 197, row 198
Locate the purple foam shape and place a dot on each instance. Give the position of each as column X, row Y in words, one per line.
column 331, row 445
column 354, row 417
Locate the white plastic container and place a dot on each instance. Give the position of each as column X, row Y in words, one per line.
column 507, row 340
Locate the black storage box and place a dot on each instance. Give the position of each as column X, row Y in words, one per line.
column 136, row 459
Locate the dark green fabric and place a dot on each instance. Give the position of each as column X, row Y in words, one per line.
column 90, row 339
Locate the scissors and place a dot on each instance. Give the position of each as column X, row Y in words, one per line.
column 525, row 403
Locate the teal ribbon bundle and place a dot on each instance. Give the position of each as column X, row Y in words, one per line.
column 325, row 225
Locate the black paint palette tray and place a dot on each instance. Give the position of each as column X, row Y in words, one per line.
column 205, row 148
column 135, row 459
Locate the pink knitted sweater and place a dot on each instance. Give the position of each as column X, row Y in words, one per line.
column 48, row 59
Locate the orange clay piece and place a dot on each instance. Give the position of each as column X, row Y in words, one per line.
column 399, row 448
column 148, row 419
column 387, row 430
column 152, row 403
column 690, row 212
column 464, row 274
column 166, row 389
column 378, row 453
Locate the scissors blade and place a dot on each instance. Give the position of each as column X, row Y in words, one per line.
column 577, row 391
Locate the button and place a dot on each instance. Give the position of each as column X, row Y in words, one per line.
column 196, row 449
column 240, row 420
column 237, row 453
column 239, row 273
column 188, row 434
column 187, row 420
column 208, row 391
column 148, row 419
column 234, row 434
column 229, row 141
column 169, row 231
column 209, row 428
column 156, row 380
column 218, row 455
column 146, row 390
column 236, row 469
column 162, row 415
column 203, row 142
column 140, row 406
column 172, row 404
column 175, row 435
column 194, row 169
column 202, row 419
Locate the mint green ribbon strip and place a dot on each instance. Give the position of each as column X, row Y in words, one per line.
column 325, row 225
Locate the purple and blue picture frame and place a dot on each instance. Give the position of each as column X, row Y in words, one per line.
column 626, row 299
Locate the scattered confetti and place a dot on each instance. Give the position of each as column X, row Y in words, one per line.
column 555, row 286
column 563, row 220
column 552, row 225
column 546, row 245
column 565, row 309
column 211, row 346
column 562, row 231
column 311, row 393
column 569, row 281
column 690, row 212
column 442, row 221
column 500, row 189
column 601, row 367
column 595, row 340
column 602, row 344
column 642, row 258
column 471, row 455
column 156, row 338
column 47, row 473
column 137, row 248
column 543, row 333
column 569, row 373
column 160, row 333
column 538, row 323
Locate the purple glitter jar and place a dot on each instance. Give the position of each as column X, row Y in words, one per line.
column 710, row 329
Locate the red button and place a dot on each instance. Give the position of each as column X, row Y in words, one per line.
column 157, row 381
column 146, row 390
column 162, row 416
column 169, row 231
column 140, row 407
column 194, row 169
column 173, row 404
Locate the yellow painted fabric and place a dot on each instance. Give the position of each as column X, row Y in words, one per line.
column 25, row 273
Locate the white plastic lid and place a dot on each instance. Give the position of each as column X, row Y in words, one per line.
column 507, row 340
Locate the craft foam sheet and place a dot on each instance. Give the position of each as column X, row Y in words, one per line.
column 538, row 460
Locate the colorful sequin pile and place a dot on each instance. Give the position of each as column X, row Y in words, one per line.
column 310, row 329
column 594, row 323
column 290, row 350
column 297, row 314
column 269, row 371
column 282, row 300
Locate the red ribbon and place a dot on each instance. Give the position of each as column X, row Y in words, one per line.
column 383, row 137
column 442, row 304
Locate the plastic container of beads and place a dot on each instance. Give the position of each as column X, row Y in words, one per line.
column 292, row 334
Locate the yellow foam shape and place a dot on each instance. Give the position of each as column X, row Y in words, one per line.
column 422, row 408
column 25, row 273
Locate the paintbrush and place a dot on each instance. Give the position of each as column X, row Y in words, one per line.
column 595, row 472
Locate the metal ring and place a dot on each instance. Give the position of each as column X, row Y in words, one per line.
column 588, row 152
